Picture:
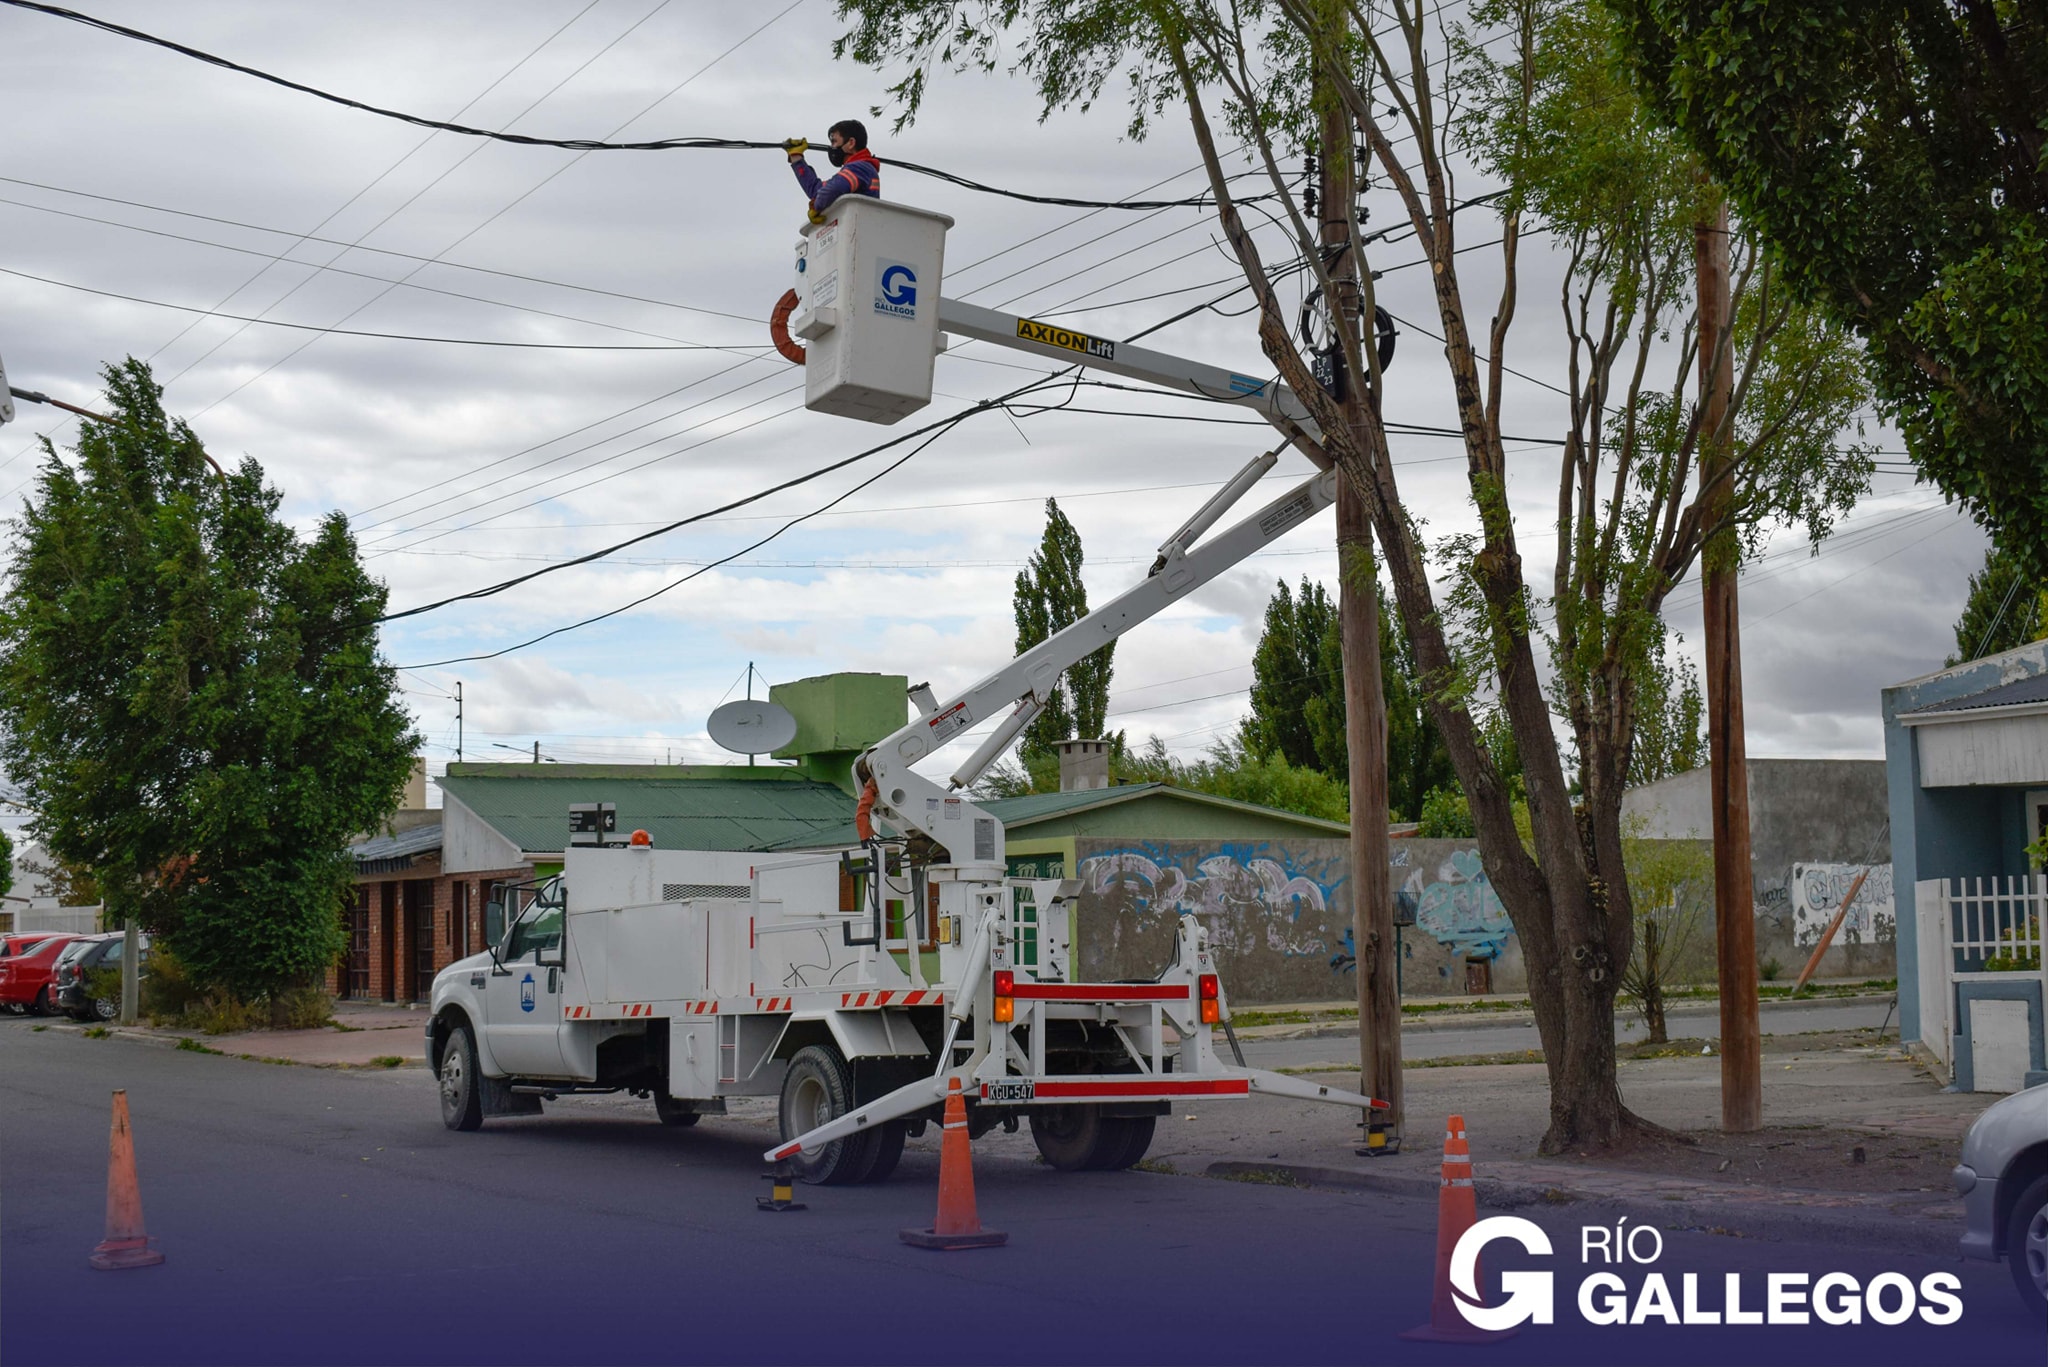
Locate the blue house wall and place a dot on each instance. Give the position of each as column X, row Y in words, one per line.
column 1946, row 832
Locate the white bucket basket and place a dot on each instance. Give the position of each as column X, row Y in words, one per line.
column 867, row 286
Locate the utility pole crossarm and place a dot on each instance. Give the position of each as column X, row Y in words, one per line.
column 1056, row 342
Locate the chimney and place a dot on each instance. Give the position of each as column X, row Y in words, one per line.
column 414, row 797
column 1083, row 764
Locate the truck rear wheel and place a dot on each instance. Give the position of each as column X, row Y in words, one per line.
column 1077, row 1138
column 462, row 1096
column 819, row 1088
column 680, row 1114
column 1137, row 1131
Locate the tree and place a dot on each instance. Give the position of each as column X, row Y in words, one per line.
column 1549, row 117
column 1298, row 699
column 191, row 699
column 1891, row 152
column 1289, row 677
column 6, row 864
column 1670, row 719
column 2007, row 607
column 1050, row 597
column 1231, row 771
column 72, row 885
column 1673, row 884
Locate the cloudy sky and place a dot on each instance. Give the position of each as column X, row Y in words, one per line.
column 133, row 171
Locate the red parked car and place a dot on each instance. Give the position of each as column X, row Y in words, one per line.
column 25, row 972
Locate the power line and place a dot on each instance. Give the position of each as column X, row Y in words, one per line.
column 349, row 246
column 936, row 431
column 384, row 336
column 581, row 144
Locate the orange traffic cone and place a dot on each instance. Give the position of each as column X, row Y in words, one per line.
column 957, row 1225
column 125, row 1245
column 1456, row 1212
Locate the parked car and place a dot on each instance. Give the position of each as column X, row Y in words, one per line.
column 2003, row 1179
column 72, row 983
column 25, row 973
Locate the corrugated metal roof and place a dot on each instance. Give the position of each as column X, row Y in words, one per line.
column 693, row 813
column 1018, row 813
column 2014, row 694
column 404, row 845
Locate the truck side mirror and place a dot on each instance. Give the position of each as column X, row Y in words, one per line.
column 494, row 924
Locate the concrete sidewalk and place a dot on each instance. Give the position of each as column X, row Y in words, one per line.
column 363, row 1035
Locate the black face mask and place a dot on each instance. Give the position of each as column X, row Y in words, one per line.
column 837, row 155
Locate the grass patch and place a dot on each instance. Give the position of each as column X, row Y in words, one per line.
column 97, row 1032
column 387, row 1061
column 37, row 1029
column 1264, row 1177
column 1473, row 1060
column 1155, row 1165
column 193, row 1046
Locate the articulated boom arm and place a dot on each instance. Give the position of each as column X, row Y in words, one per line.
column 910, row 802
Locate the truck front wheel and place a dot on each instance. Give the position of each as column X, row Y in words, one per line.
column 819, row 1088
column 462, row 1098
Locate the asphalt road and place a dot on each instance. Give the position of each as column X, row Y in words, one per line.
column 321, row 1216
column 1499, row 1037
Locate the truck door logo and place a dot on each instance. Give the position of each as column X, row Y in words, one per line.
column 526, row 993
column 897, row 289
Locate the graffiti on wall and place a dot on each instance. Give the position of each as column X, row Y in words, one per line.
column 1251, row 894
column 1459, row 907
column 1817, row 890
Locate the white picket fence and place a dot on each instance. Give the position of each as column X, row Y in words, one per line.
column 1961, row 923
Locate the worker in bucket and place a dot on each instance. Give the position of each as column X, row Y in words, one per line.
column 858, row 172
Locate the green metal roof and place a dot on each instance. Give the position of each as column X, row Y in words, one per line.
column 1020, row 814
column 683, row 807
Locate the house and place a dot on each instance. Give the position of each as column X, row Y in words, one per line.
column 1966, row 763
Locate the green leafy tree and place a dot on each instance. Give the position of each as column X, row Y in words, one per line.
column 1892, row 154
column 1671, row 732
column 6, row 864
column 1297, row 699
column 1673, row 883
column 1537, row 106
column 190, row 696
column 1049, row 598
column 2007, row 607
column 1289, row 679
column 1230, row 770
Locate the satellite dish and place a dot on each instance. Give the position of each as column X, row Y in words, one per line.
column 752, row 726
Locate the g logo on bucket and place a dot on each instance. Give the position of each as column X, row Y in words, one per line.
column 1528, row 1294
column 896, row 289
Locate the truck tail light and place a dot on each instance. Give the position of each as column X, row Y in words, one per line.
column 1006, row 1002
column 1208, row 989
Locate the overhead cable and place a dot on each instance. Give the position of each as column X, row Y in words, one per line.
column 384, row 336
column 695, row 144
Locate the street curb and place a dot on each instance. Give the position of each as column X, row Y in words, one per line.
column 176, row 1043
column 1771, row 1222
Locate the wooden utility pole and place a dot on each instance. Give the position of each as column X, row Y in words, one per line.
column 1365, row 703
column 1727, row 759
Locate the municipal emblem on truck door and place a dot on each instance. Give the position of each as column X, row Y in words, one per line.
column 526, row 993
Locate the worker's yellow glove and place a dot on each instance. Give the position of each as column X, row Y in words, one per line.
column 817, row 217
column 796, row 147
